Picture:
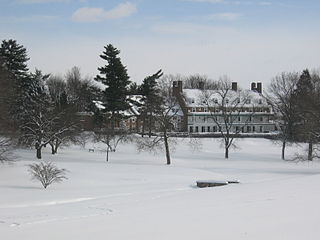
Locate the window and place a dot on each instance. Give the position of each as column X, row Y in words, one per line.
column 227, row 100
column 261, row 129
column 237, row 129
column 253, row 129
column 208, row 128
column 203, row 129
column 239, row 119
column 260, row 101
column 214, row 128
column 191, row 129
column 248, row 129
column 261, row 119
column 197, row 129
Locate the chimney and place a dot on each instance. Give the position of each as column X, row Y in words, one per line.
column 234, row 86
column 177, row 87
column 201, row 85
column 259, row 87
column 253, row 86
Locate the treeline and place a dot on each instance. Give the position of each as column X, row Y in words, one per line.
column 39, row 110
column 295, row 98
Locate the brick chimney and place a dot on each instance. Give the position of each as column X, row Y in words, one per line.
column 177, row 87
column 259, row 87
column 253, row 86
column 234, row 86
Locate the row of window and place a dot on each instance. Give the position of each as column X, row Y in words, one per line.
column 237, row 129
column 219, row 119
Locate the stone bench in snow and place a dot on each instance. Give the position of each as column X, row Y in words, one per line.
column 214, row 183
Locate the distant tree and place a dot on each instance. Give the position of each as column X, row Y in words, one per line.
column 15, row 58
column 6, row 93
column 151, row 101
column 134, row 89
column 47, row 173
column 111, row 138
column 307, row 106
column 198, row 81
column 225, row 106
column 281, row 97
column 114, row 76
column 6, row 147
column 58, row 92
column 81, row 92
column 163, row 120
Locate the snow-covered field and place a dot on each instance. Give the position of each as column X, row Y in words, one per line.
column 136, row 196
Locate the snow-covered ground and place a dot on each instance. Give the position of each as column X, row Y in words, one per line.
column 136, row 196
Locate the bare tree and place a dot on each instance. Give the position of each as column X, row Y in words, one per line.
column 111, row 138
column 42, row 129
column 163, row 119
column 225, row 107
column 47, row 173
column 281, row 96
column 6, row 148
column 198, row 81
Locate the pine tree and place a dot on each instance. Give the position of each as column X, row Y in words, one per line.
column 304, row 97
column 15, row 57
column 152, row 100
column 114, row 76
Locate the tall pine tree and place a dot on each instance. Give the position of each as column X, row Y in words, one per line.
column 152, row 100
column 114, row 76
column 14, row 58
column 305, row 101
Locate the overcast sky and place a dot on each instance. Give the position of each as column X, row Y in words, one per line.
column 250, row 40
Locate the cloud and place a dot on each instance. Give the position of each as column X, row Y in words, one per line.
column 99, row 14
column 227, row 16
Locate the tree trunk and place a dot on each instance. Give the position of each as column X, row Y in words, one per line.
column 57, row 145
column 52, row 148
column 226, row 153
column 143, row 126
column 39, row 152
column 226, row 146
column 166, row 144
column 310, row 151
column 107, row 157
column 150, row 125
column 283, row 149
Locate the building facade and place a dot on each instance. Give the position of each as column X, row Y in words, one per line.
column 253, row 115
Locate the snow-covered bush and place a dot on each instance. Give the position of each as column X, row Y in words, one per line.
column 47, row 173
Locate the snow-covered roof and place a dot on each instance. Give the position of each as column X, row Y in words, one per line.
column 196, row 97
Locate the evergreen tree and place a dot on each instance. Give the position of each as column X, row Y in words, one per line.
column 114, row 76
column 15, row 57
column 152, row 100
column 305, row 100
